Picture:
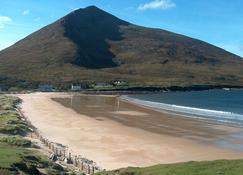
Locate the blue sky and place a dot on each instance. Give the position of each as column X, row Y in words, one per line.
column 218, row 22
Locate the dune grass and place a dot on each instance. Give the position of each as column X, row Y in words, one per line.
column 8, row 102
column 10, row 122
column 16, row 141
column 17, row 156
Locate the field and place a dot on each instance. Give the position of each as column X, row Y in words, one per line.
column 220, row 167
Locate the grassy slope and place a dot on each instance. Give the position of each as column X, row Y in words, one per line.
column 9, row 155
column 17, row 154
column 221, row 167
column 10, row 123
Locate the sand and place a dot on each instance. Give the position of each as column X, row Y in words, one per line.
column 114, row 144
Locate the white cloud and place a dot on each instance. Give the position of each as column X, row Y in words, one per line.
column 26, row 12
column 37, row 19
column 4, row 20
column 157, row 4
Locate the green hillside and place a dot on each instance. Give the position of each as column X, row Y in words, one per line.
column 220, row 167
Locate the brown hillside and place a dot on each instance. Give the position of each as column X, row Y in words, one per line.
column 92, row 45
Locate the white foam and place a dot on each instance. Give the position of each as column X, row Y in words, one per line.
column 219, row 116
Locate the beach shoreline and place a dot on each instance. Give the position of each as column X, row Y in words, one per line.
column 166, row 110
column 114, row 144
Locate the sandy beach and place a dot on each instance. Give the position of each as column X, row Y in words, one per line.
column 117, row 134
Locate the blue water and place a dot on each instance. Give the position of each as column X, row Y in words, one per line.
column 214, row 105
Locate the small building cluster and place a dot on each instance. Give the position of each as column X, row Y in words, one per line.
column 76, row 87
column 119, row 83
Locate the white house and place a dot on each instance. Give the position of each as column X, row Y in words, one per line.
column 76, row 87
column 119, row 83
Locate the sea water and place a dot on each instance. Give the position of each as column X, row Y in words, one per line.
column 214, row 105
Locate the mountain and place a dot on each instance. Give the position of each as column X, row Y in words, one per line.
column 90, row 45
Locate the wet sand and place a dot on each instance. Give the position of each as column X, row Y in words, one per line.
column 118, row 134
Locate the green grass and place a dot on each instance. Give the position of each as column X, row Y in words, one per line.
column 15, row 160
column 16, row 141
column 16, row 157
column 8, row 102
column 10, row 123
column 220, row 167
column 10, row 155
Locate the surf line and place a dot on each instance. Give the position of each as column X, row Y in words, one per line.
column 223, row 117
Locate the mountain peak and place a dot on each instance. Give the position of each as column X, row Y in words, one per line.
column 91, row 45
column 97, row 27
column 94, row 13
column 90, row 9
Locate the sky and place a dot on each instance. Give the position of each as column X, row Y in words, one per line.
column 218, row 22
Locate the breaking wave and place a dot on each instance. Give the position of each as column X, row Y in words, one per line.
column 192, row 112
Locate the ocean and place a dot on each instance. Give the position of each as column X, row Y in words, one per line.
column 219, row 106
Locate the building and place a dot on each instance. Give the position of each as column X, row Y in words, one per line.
column 119, row 83
column 76, row 87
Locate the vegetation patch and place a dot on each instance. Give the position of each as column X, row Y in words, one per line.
column 8, row 102
column 10, row 155
column 10, row 123
column 16, row 141
column 16, row 157
column 16, row 160
column 220, row 167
